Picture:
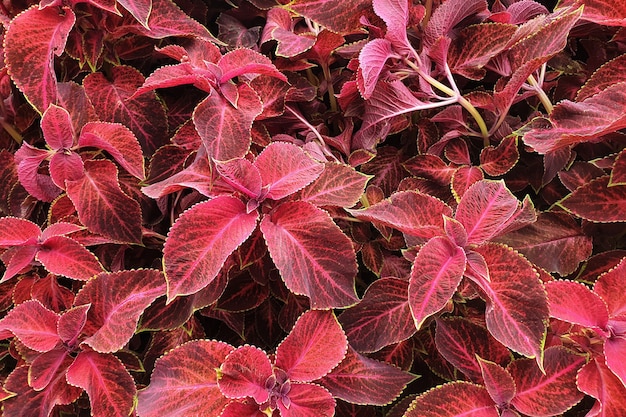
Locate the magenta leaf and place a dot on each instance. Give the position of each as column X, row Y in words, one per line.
column 193, row 256
column 71, row 323
column 315, row 345
column 32, row 40
column 184, row 382
column 18, row 259
column 372, row 59
column 40, row 186
column 47, row 367
column 436, row 273
column 242, row 175
column 498, row 381
column 549, row 393
column 339, row 17
column 110, row 387
column 313, row 255
column 615, row 349
column 101, row 204
column 381, row 318
column 34, row 325
column 597, row 201
column 278, row 28
column 574, row 303
column 65, row 166
column 361, row 380
column 606, row 286
column 500, row 159
column 15, row 231
column 64, row 256
column 507, row 316
column 453, row 399
column 395, row 14
column 56, row 125
column 448, row 15
column 285, row 168
column 140, row 9
column 245, row 61
column 244, row 373
column 224, row 129
column 555, row 242
column 485, row 209
column 117, row 300
column 411, row 212
column 308, row 400
column 597, row 380
column 338, row 185
column 603, row 12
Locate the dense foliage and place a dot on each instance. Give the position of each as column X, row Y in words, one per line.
column 308, row 208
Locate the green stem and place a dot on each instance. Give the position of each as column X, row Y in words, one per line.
column 543, row 97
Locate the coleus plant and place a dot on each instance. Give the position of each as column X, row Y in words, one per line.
column 272, row 208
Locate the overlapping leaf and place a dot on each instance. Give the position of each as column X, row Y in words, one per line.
column 597, row 201
column 453, row 399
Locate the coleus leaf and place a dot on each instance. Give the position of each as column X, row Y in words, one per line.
column 436, row 273
column 597, row 380
column 244, row 373
column 57, row 128
column 313, row 255
column 507, row 316
column 372, row 59
column 244, row 61
column 15, row 231
column 193, row 256
column 184, row 381
column 101, row 204
column 338, row 185
column 498, row 381
column 381, row 318
column 285, row 168
column 34, row 325
column 411, row 212
column 308, row 400
column 117, row 300
column 47, row 366
column 551, row 392
column 32, row 40
column 454, row 399
column 605, row 287
column 597, row 201
column 498, row 160
column 602, row 12
column 555, row 242
column 342, row 17
column 110, row 387
column 609, row 73
column 40, row 186
column 361, row 380
column 448, row 15
column 64, row 256
column 224, row 129
column 140, row 9
column 574, row 303
column 278, row 27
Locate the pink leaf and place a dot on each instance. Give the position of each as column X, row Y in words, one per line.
column 56, row 125
column 436, row 273
column 244, row 61
column 224, row 129
column 32, row 40
column 339, row 17
column 17, row 259
column 184, row 382
column 308, row 400
column 47, row 367
column 485, row 209
column 448, row 15
column 34, row 325
column 101, row 204
column 313, row 255
column 597, row 201
column 40, row 186
column 110, row 387
column 574, row 303
column 361, row 380
column 498, row 160
column 140, row 9
column 194, row 255
column 315, row 345
column 610, row 73
column 285, row 168
column 65, row 167
column 455, row 399
column 381, row 318
column 71, row 323
column 118, row 141
column 464, row 178
column 15, row 231
column 244, row 373
column 179, row 74
column 242, row 175
column 549, row 393
column 60, row 229
column 278, row 28
column 117, row 300
column 338, row 185
column 64, row 256
column 615, row 350
column 597, row 380
column 508, row 317
column 607, row 286
column 372, row 59
column 603, row 12
column 411, row 212
column 498, row 381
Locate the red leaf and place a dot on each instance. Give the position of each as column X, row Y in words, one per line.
column 117, row 300
column 381, row 318
column 485, row 210
column 48, row 367
column 34, row 325
column 463, row 179
column 140, row 9
column 65, row 167
column 498, row 160
column 549, row 393
column 498, row 381
column 574, row 303
column 56, row 125
column 278, row 28
column 597, row 201
column 110, row 387
column 15, row 231
column 315, row 345
column 455, row 399
column 395, row 14
column 115, row 101
column 244, row 373
column 436, row 273
column 607, row 286
column 244, row 61
column 339, row 17
column 460, row 341
column 372, row 59
column 313, row 255
column 610, row 73
column 184, row 382
column 194, row 255
column 618, row 173
column 40, row 186
column 615, row 350
column 411, row 212
column 603, row 12
column 448, row 15
column 224, row 129
column 338, row 185
column 597, row 380
column 361, row 380
column 71, row 323
column 555, row 242
column 285, row 168
column 242, row 175
column 508, row 317
column 18, row 259
column 308, row 400
column 101, row 204
column 64, row 256
column 31, row 41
